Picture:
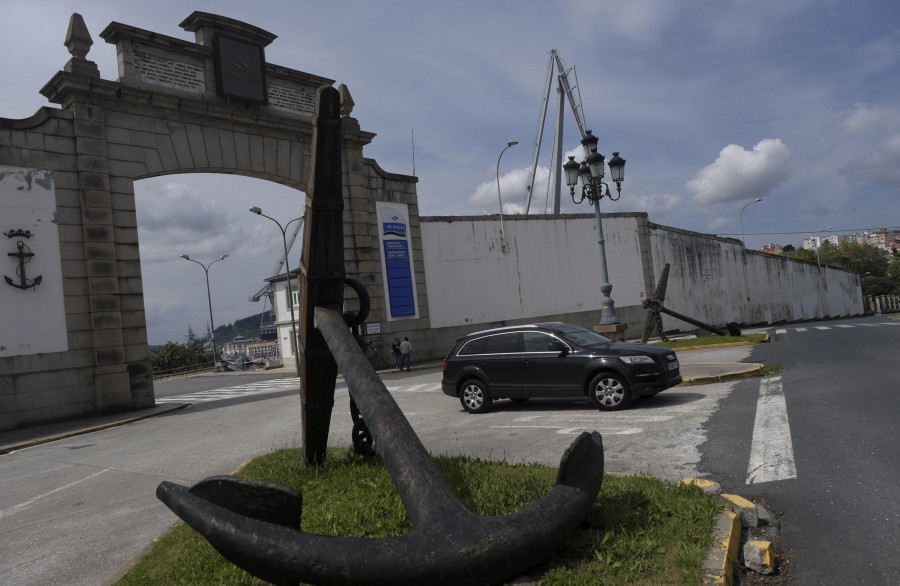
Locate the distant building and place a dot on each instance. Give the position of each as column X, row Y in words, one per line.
column 283, row 304
column 772, row 248
column 237, row 346
column 263, row 349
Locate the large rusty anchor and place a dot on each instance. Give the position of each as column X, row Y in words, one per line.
column 256, row 525
column 655, row 307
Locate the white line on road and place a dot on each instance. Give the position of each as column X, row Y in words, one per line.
column 771, row 451
column 781, row 331
column 575, row 430
column 29, row 502
column 822, row 328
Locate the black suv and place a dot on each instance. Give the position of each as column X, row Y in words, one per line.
column 554, row 360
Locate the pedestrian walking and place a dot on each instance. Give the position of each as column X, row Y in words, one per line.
column 405, row 351
column 395, row 350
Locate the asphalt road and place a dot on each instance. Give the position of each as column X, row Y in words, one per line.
column 841, row 391
column 75, row 510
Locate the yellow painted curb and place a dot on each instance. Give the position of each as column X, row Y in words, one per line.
column 718, row 568
column 705, row 380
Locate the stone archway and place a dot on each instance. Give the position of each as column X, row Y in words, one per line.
column 212, row 106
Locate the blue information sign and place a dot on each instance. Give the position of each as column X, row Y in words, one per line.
column 399, row 276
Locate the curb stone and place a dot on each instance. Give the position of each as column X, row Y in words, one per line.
column 723, row 555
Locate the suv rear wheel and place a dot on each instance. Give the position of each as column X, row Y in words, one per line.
column 474, row 396
column 609, row 392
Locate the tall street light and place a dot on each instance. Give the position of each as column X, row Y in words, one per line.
column 819, row 244
column 509, row 144
column 590, row 171
column 757, row 200
column 290, row 295
column 212, row 326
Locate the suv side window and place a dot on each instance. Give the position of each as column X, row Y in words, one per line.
column 471, row 347
column 504, row 343
column 537, row 341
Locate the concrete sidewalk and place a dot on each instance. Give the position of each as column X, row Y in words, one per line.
column 698, row 367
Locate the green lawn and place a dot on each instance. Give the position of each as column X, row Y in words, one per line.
column 712, row 340
column 640, row 531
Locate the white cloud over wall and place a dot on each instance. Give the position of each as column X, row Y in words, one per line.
column 739, row 174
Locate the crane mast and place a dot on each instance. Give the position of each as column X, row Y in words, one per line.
column 567, row 88
column 283, row 262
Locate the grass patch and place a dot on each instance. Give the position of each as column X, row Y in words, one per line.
column 641, row 530
column 711, row 340
column 770, row 370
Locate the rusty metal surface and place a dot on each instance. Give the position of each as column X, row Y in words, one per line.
column 321, row 280
column 655, row 307
column 449, row 543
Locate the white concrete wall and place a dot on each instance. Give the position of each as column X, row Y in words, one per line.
column 551, row 266
column 716, row 281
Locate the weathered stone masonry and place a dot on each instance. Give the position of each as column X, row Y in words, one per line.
column 162, row 116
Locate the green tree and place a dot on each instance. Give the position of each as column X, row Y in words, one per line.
column 872, row 285
column 893, row 272
column 191, row 337
column 802, row 254
column 173, row 357
column 787, row 248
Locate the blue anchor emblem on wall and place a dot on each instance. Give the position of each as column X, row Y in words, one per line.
column 24, row 255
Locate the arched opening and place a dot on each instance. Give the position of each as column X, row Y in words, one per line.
column 205, row 216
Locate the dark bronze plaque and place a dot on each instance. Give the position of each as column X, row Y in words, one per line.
column 240, row 69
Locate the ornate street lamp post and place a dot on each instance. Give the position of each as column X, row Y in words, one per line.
column 758, row 199
column 499, row 199
column 212, row 326
column 590, row 171
column 290, row 294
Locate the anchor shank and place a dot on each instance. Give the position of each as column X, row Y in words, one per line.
column 422, row 488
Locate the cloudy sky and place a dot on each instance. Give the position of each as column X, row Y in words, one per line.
column 713, row 104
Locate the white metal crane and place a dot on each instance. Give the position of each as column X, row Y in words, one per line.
column 281, row 263
column 567, row 87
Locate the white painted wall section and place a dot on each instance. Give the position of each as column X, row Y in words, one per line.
column 33, row 319
column 550, row 266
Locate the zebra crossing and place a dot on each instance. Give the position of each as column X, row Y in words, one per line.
column 275, row 386
column 839, row 326
column 237, row 391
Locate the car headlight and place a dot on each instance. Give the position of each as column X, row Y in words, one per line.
column 636, row 359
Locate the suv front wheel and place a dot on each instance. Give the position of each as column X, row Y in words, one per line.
column 609, row 391
column 474, row 396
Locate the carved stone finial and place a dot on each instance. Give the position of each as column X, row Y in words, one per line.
column 78, row 39
column 346, row 101
column 78, row 42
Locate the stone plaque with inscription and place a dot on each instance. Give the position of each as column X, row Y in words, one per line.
column 169, row 73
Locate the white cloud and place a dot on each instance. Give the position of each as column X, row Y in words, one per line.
column 739, row 174
column 718, row 223
column 513, row 192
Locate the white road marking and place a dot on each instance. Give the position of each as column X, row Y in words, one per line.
column 799, row 329
column 843, row 326
column 822, row 328
column 257, row 388
column 576, row 430
column 771, row 451
column 22, row 506
column 781, row 331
